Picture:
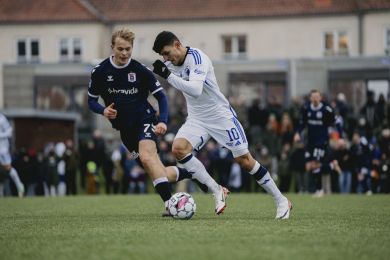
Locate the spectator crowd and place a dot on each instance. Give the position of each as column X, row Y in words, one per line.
column 98, row 167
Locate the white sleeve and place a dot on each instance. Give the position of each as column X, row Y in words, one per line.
column 5, row 128
column 194, row 85
column 193, row 88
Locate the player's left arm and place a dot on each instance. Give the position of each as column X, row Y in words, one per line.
column 329, row 116
column 157, row 91
column 161, row 127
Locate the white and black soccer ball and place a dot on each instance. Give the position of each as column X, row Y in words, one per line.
column 181, row 205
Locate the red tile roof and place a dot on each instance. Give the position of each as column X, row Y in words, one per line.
column 155, row 10
column 146, row 10
column 13, row 11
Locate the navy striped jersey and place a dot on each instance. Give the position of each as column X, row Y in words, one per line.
column 317, row 119
column 128, row 87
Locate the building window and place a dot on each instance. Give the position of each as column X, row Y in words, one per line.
column 234, row 46
column 28, row 50
column 22, row 50
column 64, row 52
column 70, row 49
column 77, row 49
column 387, row 41
column 336, row 43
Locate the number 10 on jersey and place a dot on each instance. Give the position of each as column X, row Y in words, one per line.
column 233, row 134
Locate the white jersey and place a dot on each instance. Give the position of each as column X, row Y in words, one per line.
column 211, row 104
column 5, row 134
column 209, row 112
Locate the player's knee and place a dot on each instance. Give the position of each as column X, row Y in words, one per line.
column 146, row 158
column 180, row 150
column 245, row 161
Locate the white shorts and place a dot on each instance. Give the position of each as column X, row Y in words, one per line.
column 228, row 133
column 5, row 158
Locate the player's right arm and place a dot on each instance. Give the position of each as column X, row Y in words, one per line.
column 93, row 96
column 193, row 87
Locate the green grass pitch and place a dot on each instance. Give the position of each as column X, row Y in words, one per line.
column 130, row 227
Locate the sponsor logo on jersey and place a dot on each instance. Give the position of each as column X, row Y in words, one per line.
column 110, row 78
column 132, row 77
column 237, row 143
column 131, row 91
column 198, row 71
column 158, row 83
column 148, row 135
column 185, row 74
column 314, row 122
column 229, row 144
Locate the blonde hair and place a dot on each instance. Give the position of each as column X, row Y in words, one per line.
column 123, row 33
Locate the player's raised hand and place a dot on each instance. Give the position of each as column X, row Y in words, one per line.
column 161, row 69
column 110, row 112
column 160, row 129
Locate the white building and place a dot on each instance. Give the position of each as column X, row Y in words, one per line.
column 265, row 49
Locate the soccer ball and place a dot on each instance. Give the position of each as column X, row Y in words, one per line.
column 181, row 206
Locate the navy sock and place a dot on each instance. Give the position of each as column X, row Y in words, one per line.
column 259, row 174
column 183, row 174
column 163, row 188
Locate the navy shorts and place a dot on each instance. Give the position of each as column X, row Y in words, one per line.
column 133, row 135
column 315, row 153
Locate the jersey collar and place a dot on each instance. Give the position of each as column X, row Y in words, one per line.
column 185, row 57
column 116, row 66
column 316, row 108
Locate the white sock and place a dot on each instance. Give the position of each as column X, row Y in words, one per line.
column 266, row 181
column 192, row 164
column 15, row 177
column 269, row 185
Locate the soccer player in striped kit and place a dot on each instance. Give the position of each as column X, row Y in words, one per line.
column 209, row 116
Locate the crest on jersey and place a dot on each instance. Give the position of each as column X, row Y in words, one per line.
column 319, row 114
column 132, row 77
column 198, row 71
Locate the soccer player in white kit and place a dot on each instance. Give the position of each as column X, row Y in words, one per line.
column 209, row 116
column 5, row 157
